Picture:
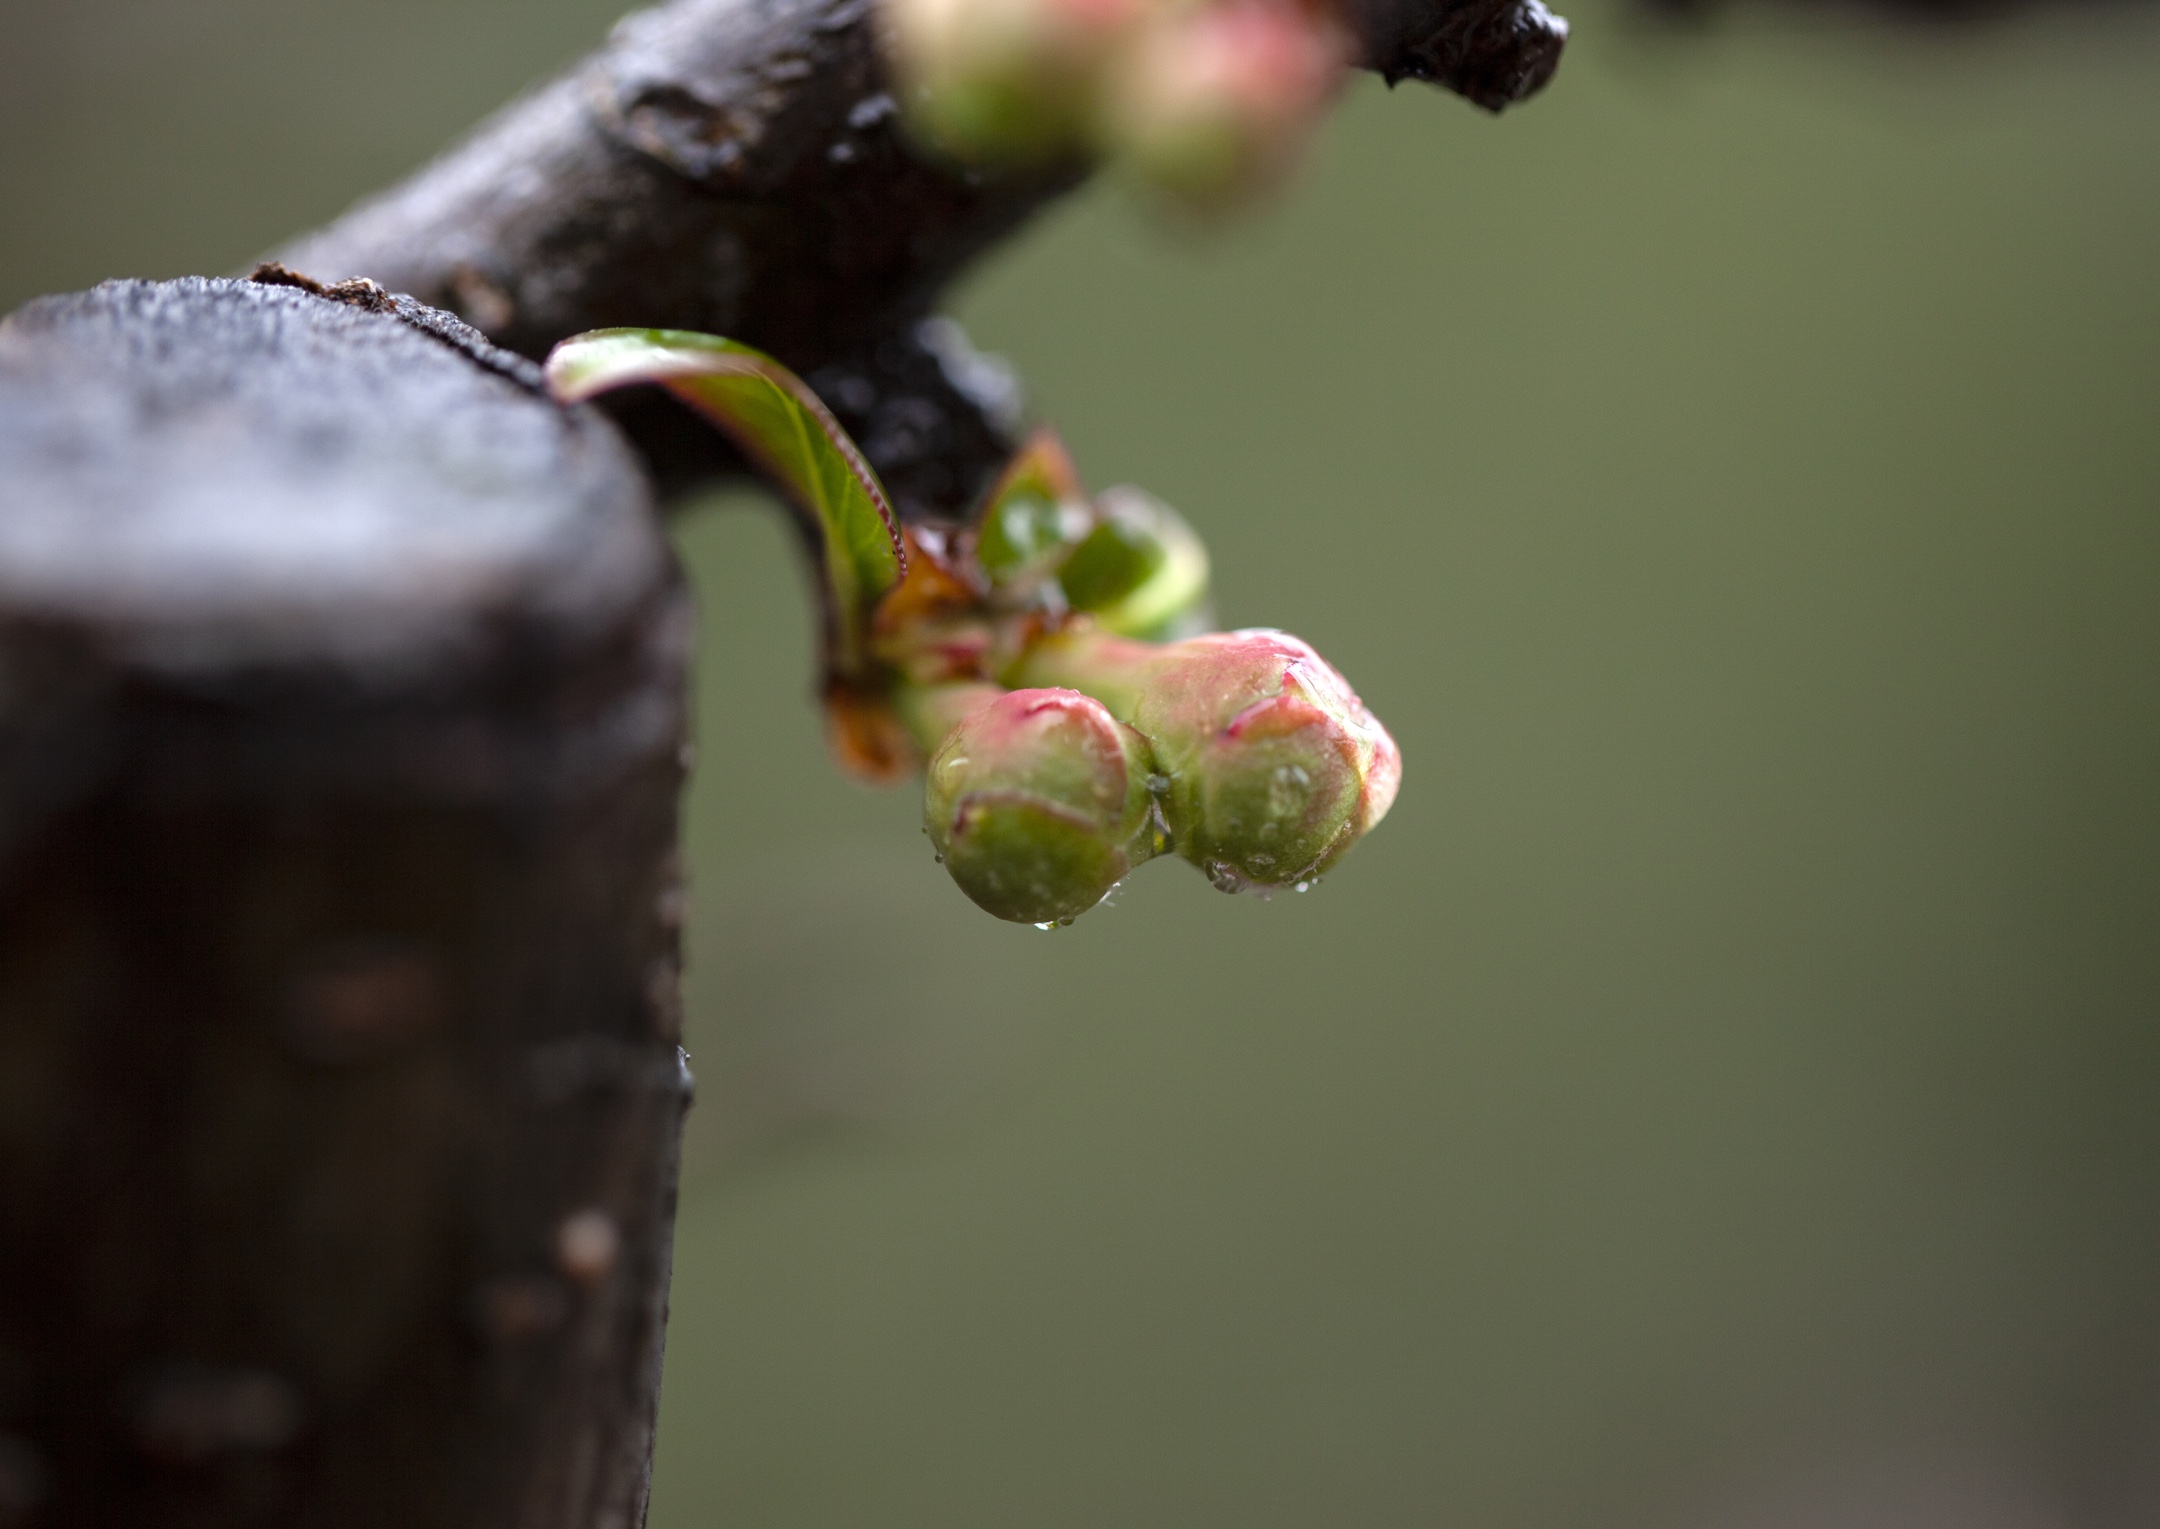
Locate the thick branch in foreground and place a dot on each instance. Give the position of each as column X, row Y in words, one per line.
column 340, row 725
column 739, row 167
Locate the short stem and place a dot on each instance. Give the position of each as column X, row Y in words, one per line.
column 1113, row 670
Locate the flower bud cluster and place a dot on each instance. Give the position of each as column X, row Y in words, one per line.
column 1207, row 100
column 1045, row 664
column 1040, row 660
column 1245, row 752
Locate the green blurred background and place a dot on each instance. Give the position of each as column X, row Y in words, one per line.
column 1724, row 1093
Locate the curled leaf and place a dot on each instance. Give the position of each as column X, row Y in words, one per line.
column 1038, row 803
column 771, row 414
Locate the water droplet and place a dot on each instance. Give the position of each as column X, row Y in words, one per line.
column 871, row 110
column 1304, row 886
column 1226, row 877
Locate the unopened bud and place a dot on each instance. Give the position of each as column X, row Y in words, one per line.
column 1002, row 79
column 1213, row 103
column 1038, row 804
column 1270, row 768
column 1275, row 767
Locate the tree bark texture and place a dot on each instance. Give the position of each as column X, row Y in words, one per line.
column 341, row 718
column 740, row 167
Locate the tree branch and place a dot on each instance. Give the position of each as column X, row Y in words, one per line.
column 738, row 167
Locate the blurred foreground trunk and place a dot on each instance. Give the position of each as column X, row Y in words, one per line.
column 341, row 680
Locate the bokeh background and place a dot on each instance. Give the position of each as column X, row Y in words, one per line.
column 1723, row 1096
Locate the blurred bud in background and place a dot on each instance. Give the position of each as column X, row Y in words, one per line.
column 1004, row 79
column 1215, row 104
column 1208, row 103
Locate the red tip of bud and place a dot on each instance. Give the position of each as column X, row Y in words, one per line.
column 1274, row 718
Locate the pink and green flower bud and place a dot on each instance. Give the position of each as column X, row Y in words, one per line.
column 1003, row 79
column 1275, row 766
column 1270, row 767
column 1214, row 103
column 929, row 713
column 1038, row 805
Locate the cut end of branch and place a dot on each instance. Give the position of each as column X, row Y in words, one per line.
column 1492, row 53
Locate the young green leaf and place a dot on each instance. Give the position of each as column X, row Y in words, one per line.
column 1141, row 572
column 1124, row 558
column 1033, row 514
column 776, row 420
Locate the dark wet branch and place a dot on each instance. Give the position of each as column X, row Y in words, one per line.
column 737, row 166
column 1490, row 52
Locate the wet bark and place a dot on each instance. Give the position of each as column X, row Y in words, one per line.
column 739, row 167
column 341, row 680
